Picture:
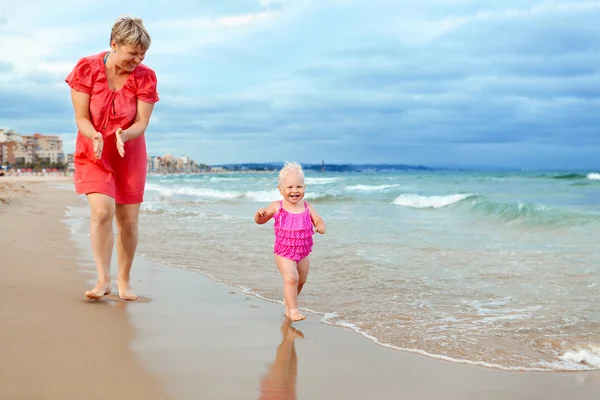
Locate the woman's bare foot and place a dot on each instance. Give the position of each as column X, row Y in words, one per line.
column 125, row 292
column 102, row 288
column 295, row 315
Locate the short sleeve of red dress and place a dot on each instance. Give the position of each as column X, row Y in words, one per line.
column 80, row 78
column 146, row 87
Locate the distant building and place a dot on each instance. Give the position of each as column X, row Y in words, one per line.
column 168, row 164
column 27, row 149
column 45, row 148
column 8, row 135
column 12, row 152
column 70, row 162
column 8, row 146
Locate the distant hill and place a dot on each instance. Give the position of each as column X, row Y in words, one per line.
column 275, row 166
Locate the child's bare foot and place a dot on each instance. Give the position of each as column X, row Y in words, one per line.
column 102, row 288
column 125, row 292
column 295, row 315
column 289, row 332
column 286, row 307
column 294, row 333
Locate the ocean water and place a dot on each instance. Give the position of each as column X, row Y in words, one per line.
column 499, row 269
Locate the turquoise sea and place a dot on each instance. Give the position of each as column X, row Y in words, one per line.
column 499, row 269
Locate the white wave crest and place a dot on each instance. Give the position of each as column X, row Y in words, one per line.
column 223, row 179
column 418, row 201
column 268, row 196
column 192, row 191
column 594, row 176
column 370, row 188
column 320, row 181
column 263, row 196
column 590, row 357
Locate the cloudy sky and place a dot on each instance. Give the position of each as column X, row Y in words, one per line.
column 461, row 83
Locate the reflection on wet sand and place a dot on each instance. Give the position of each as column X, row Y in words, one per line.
column 280, row 381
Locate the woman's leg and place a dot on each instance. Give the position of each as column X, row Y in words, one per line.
column 127, row 239
column 102, row 212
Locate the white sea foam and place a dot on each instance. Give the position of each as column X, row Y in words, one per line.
column 154, row 208
column 213, row 194
column 193, row 191
column 418, row 201
column 485, row 307
column 273, row 195
column 589, row 357
column 320, row 181
column 223, row 179
column 76, row 218
column 263, row 196
column 370, row 188
column 332, row 319
column 594, row 176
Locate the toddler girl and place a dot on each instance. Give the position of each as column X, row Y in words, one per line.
column 293, row 224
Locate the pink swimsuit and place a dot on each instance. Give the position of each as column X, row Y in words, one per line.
column 293, row 233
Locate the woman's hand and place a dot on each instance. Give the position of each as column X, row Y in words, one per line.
column 121, row 139
column 98, row 142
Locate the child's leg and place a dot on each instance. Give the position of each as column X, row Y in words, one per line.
column 303, row 267
column 289, row 273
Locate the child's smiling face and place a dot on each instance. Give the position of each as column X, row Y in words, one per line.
column 292, row 187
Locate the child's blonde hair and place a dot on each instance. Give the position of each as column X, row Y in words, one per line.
column 290, row 166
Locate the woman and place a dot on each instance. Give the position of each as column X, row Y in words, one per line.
column 113, row 97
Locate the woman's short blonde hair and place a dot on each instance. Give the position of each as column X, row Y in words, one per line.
column 130, row 31
column 290, row 166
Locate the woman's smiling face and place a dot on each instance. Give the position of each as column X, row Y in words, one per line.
column 129, row 56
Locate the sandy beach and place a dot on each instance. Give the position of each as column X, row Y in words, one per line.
column 189, row 337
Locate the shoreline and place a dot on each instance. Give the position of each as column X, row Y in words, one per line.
column 190, row 337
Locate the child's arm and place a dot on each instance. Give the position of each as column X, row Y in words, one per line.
column 320, row 225
column 265, row 214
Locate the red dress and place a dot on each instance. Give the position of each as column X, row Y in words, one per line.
column 122, row 178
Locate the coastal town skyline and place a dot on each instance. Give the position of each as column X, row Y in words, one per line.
column 38, row 151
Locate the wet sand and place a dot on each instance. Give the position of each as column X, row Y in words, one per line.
column 189, row 337
column 217, row 341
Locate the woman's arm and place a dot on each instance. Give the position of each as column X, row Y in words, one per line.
column 142, row 119
column 81, row 105
column 138, row 128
